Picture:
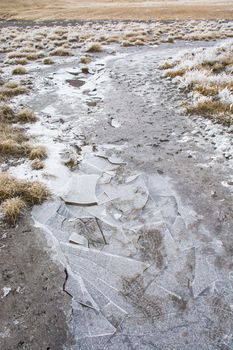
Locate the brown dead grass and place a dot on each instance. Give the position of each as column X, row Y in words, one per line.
column 16, row 194
column 94, row 47
column 85, row 60
column 167, row 65
column 7, row 91
column 10, row 147
column 38, row 152
column 19, row 70
column 48, row 61
column 7, row 115
column 112, row 9
column 207, row 90
column 215, row 110
column 174, row 73
column 37, row 164
column 26, row 116
column 12, row 209
column 60, row 52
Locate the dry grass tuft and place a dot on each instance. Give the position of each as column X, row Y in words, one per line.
column 16, row 54
column 15, row 194
column 10, row 187
column 85, row 70
column 37, row 164
column 72, row 163
column 48, row 60
column 60, row 52
column 38, row 152
column 207, row 90
column 7, row 114
column 21, row 61
column 94, row 47
column 35, row 192
column 167, row 65
column 216, row 110
column 20, row 70
column 85, row 60
column 174, row 73
column 10, row 147
column 26, row 116
column 11, row 84
column 12, row 208
column 7, row 90
column 33, row 56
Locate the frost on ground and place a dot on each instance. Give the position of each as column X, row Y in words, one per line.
column 206, row 75
column 92, row 119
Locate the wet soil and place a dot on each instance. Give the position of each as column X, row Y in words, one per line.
column 35, row 310
column 139, row 112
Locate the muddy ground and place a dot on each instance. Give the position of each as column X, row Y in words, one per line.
column 183, row 298
column 35, row 311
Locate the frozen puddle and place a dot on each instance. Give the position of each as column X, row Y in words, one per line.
column 132, row 252
column 141, row 267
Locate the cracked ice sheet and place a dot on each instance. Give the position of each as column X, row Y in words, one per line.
column 81, row 190
column 120, row 265
column 76, row 287
column 92, row 164
column 92, row 330
column 205, row 274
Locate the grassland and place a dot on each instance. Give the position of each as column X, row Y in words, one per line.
column 111, row 9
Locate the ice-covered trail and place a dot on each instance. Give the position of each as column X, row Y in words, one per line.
column 152, row 264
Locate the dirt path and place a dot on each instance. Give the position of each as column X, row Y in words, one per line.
column 153, row 265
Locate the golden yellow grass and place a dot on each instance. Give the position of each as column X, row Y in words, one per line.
column 19, row 70
column 94, row 47
column 216, row 110
column 12, row 208
column 15, row 195
column 85, row 59
column 111, row 9
column 37, row 164
column 25, row 115
column 38, row 152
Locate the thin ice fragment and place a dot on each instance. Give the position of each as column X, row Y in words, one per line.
column 81, row 190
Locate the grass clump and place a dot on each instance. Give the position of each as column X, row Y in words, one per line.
column 38, row 152
column 174, row 73
column 26, row 116
column 12, row 208
column 10, row 147
column 34, row 192
column 21, row 61
column 60, row 52
column 37, row 164
column 85, row 70
column 7, row 114
column 48, row 61
column 167, row 65
column 16, row 54
column 11, row 89
column 94, row 47
column 19, row 70
column 85, row 60
column 15, row 195
column 216, row 110
column 72, row 163
column 33, row 56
